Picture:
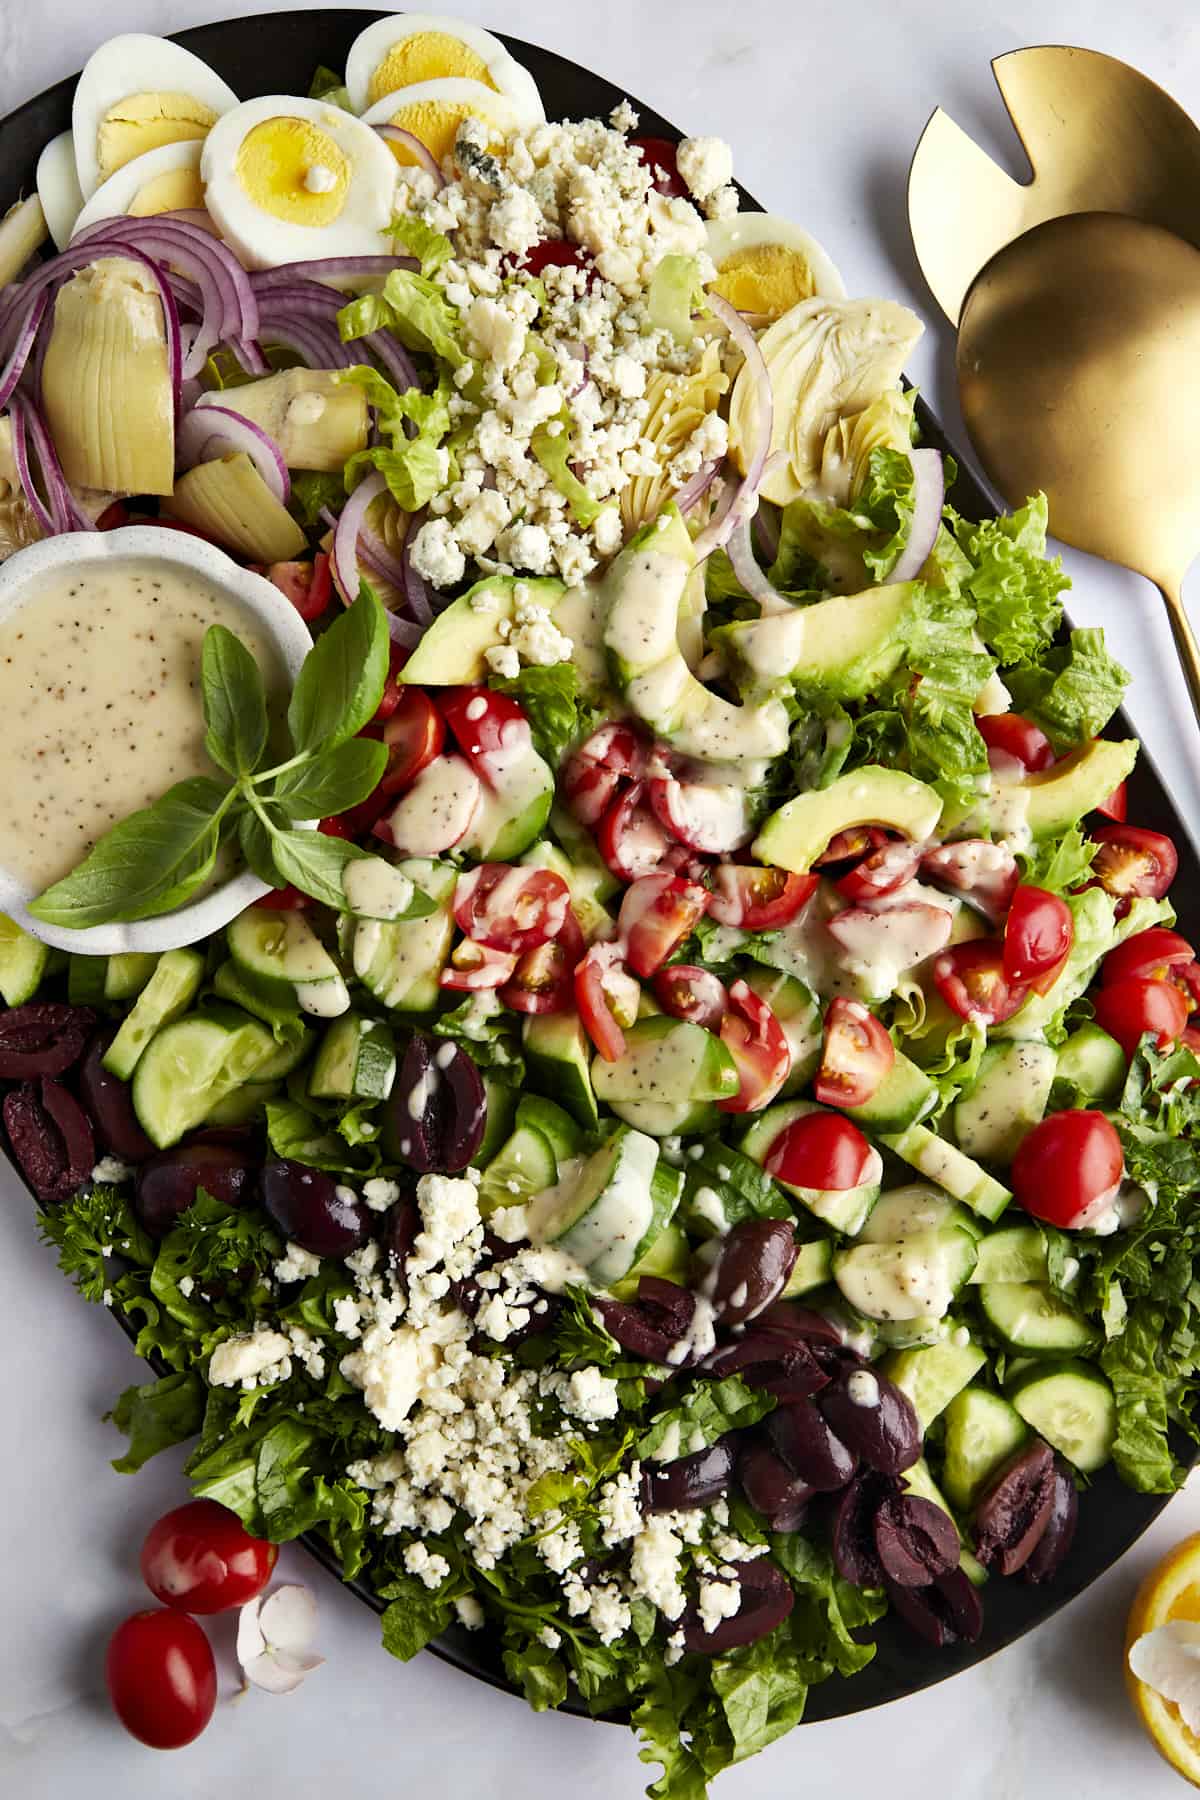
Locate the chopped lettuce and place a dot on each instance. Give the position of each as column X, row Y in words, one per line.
column 1073, row 692
column 553, row 451
column 675, row 293
column 557, row 713
column 412, row 307
column 413, row 467
column 413, row 237
column 1011, row 583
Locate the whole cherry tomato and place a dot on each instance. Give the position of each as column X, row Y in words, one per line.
column 822, row 1150
column 1014, row 735
column 1068, row 1167
column 1131, row 1007
column 200, row 1558
column 161, row 1677
column 1038, row 935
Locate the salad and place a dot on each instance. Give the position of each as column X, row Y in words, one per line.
column 698, row 1149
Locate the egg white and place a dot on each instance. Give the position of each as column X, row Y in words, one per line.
column 373, row 45
column 135, row 63
column 263, row 241
column 114, row 197
column 483, row 102
column 58, row 187
column 747, row 230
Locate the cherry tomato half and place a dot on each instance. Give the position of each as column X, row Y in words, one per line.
column 881, row 872
column 161, row 1677
column 595, row 771
column 489, row 728
column 629, row 837
column 688, row 992
column 284, row 899
column 1014, row 735
column 1132, row 862
column 200, row 1558
column 511, row 908
column 308, row 585
column 474, row 966
column 758, row 899
column 971, row 980
column 1130, row 1007
column 607, row 997
column 1067, row 1168
column 393, row 687
column 541, row 982
column 660, row 154
column 857, row 1055
column 822, row 1150
column 856, row 841
column 755, row 1039
column 1117, row 805
column 984, row 874
column 657, row 913
column 1038, row 935
column 414, row 734
column 1152, row 954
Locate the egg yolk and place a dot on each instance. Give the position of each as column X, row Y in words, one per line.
column 144, row 122
column 435, row 122
column 175, row 190
column 295, row 171
column 765, row 278
column 426, row 56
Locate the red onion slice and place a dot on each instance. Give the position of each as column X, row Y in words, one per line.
column 395, row 134
column 345, row 537
column 15, row 366
column 740, row 549
column 416, row 588
column 329, row 268
column 65, row 513
column 404, row 632
column 211, row 430
column 37, row 506
column 696, row 488
column 929, row 494
column 230, row 309
column 741, row 504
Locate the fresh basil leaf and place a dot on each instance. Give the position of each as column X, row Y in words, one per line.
column 148, row 864
column 156, row 1416
column 314, row 863
column 254, row 841
column 332, row 784
column 235, row 703
column 340, row 684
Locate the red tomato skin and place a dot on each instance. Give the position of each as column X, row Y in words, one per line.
column 821, row 1150
column 857, row 1056
column 541, row 982
column 1065, row 1165
column 532, row 906
column 414, row 734
column 478, row 966
column 657, row 913
column 1117, row 805
column 594, row 1010
column 758, row 898
column 284, row 899
column 629, row 837
column 162, row 1680
column 756, row 1041
column 855, row 842
column 1154, row 954
column 1038, row 935
column 200, row 1558
column 1016, row 736
column 695, row 994
column 1133, row 862
column 971, row 980
column 501, row 726
column 881, row 872
column 1133, row 1006
column 595, row 771
column 393, row 687
column 1190, row 1038
column 660, row 154
column 985, row 874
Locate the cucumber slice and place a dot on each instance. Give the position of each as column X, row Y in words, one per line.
column 285, row 1058
column 1007, row 1098
column 280, row 947
column 357, row 1059
column 1071, row 1405
column 189, row 1067
column 916, row 1278
column 951, row 1168
column 911, row 1334
column 23, row 960
column 400, row 962
column 608, row 1211
column 920, row 1482
column 767, row 1125
column 501, row 1110
column 165, row 998
column 244, row 1105
column 1032, row 1318
column 904, row 1095
column 668, row 1258
column 670, row 1060
column 1093, row 1063
column 844, row 1209
column 668, row 1118
column 556, row 1126
column 909, row 1211
column 588, row 888
column 101, row 980
column 273, row 1002
column 982, row 1431
column 932, row 1375
column 799, row 1013
column 812, row 1268
column 1015, row 1254
column 558, row 1056
column 525, row 1165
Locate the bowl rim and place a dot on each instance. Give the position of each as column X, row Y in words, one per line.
column 20, row 576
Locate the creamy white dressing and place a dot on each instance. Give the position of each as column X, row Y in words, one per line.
column 100, row 697
column 439, row 808
column 375, row 890
column 1008, row 815
column 642, row 618
column 708, row 1205
column 323, row 999
column 877, row 947
column 700, row 1336
column 580, row 616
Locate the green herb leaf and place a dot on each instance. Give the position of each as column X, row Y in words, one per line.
column 332, row 784
column 314, row 863
column 148, row 864
column 156, row 1416
column 254, row 841
column 340, row 684
column 235, row 703
column 550, row 696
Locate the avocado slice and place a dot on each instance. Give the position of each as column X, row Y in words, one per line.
column 452, row 652
column 1052, row 801
column 642, row 597
column 843, row 647
column 795, row 835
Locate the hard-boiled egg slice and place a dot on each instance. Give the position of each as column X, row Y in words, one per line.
column 163, row 180
column 58, row 187
column 287, row 179
column 765, row 265
column 136, row 93
column 408, row 49
column 434, row 110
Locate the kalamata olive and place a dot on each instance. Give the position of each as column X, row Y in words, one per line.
column 313, row 1210
column 874, row 1417
column 771, row 1488
column 788, row 1318
column 948, row 1611
column 109, row 1105
column 51, row 1139
column 1050, row 1551
column 401, row 1223
column 168, row 1184
column 655, row 1324
column 767, row 1600
column 784, row 1367
column 916, row 1540
column 1014, row 1509
column 435, row 1117
column 810, row 1447
column 852, row 1535
column 688, row 1481
column 43, row 1038
column 752, row 1265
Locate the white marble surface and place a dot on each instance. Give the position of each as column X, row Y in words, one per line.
column 823, row 104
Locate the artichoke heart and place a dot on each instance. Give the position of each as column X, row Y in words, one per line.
column 228, row 499
column 318, row 421
column 106, row 384
column 23, row 231
column 827, row 359
column 18, row 526
column 846, row 456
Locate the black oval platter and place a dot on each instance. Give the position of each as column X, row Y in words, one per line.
column 255, row 56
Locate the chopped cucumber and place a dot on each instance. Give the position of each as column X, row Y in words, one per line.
column 85, row 980
column 23, row 960
column 95, row 980
column 558, row 1056
column 951, row 1168
column 844, row 1209
column 920, row 1482
column 670, row 1060
column 525, row 1165
column 799, row 1013
column 1016, row 1254
column 908, row 1211
column 1093, row 1063
column 1030, row 1317
column 557, row 1127
column 667, row 1257
column 400, row 961
column 904, row 1095
column 1071, row 1405
column 982, row 1431
column 668, row 1118
column 274, row 1003
column 916, row 1278
column 280, row 947
column 244, row 1105
column 933, row 1374
column 357, row 1059
column 285, row 1058
column 190, row 1066
column 812, row 1268
column 911, row 1334
column 165, row 998
column 607, row 1215
column 1006, row 1099
column 501, row 1110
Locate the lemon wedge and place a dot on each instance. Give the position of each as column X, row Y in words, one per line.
column 1169, row 1596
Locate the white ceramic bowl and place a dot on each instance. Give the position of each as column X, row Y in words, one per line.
column 20, row 578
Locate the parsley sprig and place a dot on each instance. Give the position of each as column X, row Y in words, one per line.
column 157, row 858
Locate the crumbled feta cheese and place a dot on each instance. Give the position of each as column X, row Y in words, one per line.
column 620, row 1506
column 503, row 660
column 470, row 1612
column 527, row 547
column 436, row 555
column 587, row 1394
column 186, row 1286
column 718, row 1600
column 549, row 1637
column 705, row 164
column 623, row 118
column 112, row 1170
column 296, row 1264
column 432, row 1569
column 255, row 1359
column 655, row 1565
column 380, row 1193
column 515, row 222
